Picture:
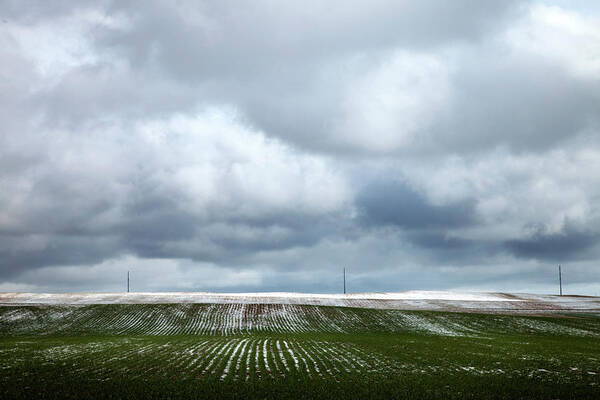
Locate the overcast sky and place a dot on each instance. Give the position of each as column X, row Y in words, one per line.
column 264, row 145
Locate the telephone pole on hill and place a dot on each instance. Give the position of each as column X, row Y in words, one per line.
column 344, row 280
column 560, row 279
column 127, row 281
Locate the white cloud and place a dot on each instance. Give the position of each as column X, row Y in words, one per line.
column 217, row 162
column 392, row 105
column 562, row 35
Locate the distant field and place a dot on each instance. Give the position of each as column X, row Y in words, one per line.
column 292, row 351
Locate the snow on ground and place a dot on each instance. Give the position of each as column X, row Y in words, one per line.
column 411, row 300
column 225, row 358
column 260, row 358
column 267, row 297
column 241, row 319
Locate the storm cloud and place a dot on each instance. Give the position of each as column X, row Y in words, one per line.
column 565, row 245
column 224, row 145
column 394, row 203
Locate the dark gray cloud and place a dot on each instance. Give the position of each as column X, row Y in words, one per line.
column 395, row 203
column 20, row 254
column 265, row 145
column 519, row 101
column 568, row 244
column 432, row 229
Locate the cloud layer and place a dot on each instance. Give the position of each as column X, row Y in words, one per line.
column 229, row 146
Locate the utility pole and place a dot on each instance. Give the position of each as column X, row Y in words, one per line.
column 560, row 279
column 127, row 281
column 344, row 280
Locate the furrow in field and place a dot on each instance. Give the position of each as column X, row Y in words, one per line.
column 126, row 322
column 202, row 319
column 366, row 361
column 190, row 356
column 146, row 321
column 158, row 359
column 321, row 353
column 291, row 316
column 319, row 369
column 138, row 361
column 149, row 321
column 257, row 368
column 167, row 325
column 225, row 346
column 241, row 357
column 249, row 358
column 139, row 324
column 193, row 318
column 265, row 321
column 296, row 316
column 202, row 359
column 276, row 362
column 194, row 315
column 116, row 323
column 357, row 358
column 134, row 319
column 163, row 324
column 325, row 323
column 226, row 314
column 422, row 323
column 122, row 320
column 233, row 321
column 280, row 320
column 242, row 326
column 72, row 321
column 265, row 357
column 541, row 326
column 288, row 317
column 104, row 320
column 169, row 358
column 297, row 356
column 182, row 318
column 282, row 357
column 221, row 361
column 275, row 317
column 336, row 353
column 284, row 319
column 234, row 357
column 221, row 320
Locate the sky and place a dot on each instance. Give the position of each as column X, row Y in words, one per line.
column 235, row 146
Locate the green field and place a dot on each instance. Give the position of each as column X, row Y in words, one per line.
column 292, row 351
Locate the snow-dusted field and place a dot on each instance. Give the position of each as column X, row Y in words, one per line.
column 412, row 300
column 225, row 358
column 248, row 319
column 189, row 339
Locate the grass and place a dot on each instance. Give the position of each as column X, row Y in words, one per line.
column 230, row 351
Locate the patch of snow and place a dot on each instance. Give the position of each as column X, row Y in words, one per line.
column 410, row 300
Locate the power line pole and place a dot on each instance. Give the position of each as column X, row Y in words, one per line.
column 560, row 279
column 127, row 281
column 344, row 280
